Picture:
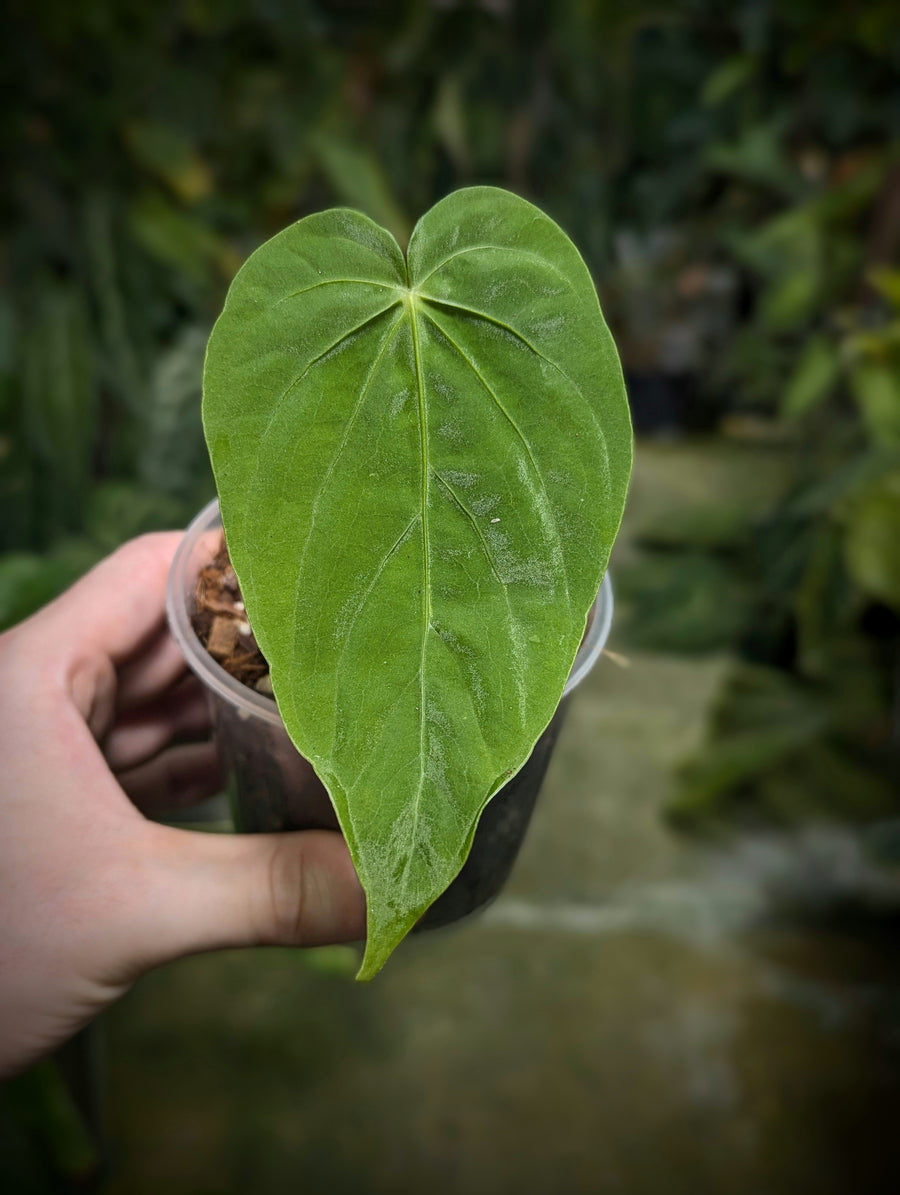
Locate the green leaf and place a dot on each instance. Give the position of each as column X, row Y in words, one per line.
column 28, row 580
column 172, row 457
column 876, row 387
column 790, row 301
column 757, row 157
column 180, row 241
column 121, row 366
column 8, row 339
column 682, row 602
column 727, row 79
column 872, row 543
column 887, row 283
column 733, row 760
column 119, row 510
column 421, row 469
column 762, row 719
column 58, row 386
column 449, row 117
column 814, row 376
column 357, row 177
column 165, row 153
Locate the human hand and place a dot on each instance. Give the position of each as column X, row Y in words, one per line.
column 95, row 708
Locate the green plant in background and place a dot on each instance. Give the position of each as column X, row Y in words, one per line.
column 422, row 464
column 795, row 577
column 826, row 610
column 807, row 723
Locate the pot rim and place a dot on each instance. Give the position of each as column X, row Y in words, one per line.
column 248, row 701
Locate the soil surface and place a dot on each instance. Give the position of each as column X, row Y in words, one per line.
column 220, row 622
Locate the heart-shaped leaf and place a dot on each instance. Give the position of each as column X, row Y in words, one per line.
column 422, row 467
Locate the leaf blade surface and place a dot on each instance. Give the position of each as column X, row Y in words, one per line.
column 421, row 470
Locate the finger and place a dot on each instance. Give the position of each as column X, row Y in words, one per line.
column 151, row 672
column 211, row 891
column 181, row 776
column 181, row 716
column 115, row 608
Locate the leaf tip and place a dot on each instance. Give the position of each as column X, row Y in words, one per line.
column 385, row 934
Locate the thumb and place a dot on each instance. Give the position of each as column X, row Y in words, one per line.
column 210, row 891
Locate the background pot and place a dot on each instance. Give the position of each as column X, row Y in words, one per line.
column 272, row 787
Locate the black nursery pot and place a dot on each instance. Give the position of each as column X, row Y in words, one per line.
column 272, row 787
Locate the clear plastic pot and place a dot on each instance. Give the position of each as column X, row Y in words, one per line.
column 272, row 787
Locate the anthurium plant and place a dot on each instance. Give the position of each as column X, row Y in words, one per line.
column 421, row 462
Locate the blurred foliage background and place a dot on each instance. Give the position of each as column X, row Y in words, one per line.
column 731, row 174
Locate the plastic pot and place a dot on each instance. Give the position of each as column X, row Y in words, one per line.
column 272, row 787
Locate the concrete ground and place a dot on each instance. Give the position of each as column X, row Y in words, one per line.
column 628, row 1017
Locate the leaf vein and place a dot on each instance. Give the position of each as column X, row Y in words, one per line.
column 367, row 593
column 545, row 504
column 513, row 625
column 332, row 282
column 426, row 565
column 503, row 248
column 471, row 517
column 276, row 407
column 345, row 436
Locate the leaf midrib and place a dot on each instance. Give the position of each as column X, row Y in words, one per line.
column 411, row 298
column 410, row 301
